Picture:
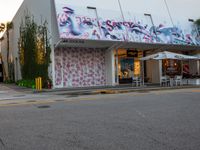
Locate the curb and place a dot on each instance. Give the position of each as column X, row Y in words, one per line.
column 117, row 91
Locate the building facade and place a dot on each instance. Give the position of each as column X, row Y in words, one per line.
column 99, row 43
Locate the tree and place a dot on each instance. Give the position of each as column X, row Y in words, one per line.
column 9, row 26
column 197, row 22
column 34, row 49
column 2, row 27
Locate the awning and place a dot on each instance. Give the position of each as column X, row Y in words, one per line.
column 125, row 45
column 168, row 55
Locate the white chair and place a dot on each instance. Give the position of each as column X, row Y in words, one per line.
column 164, row 80
column 136, row 81
column 178, row 80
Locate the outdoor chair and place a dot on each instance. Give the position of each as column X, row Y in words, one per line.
column 136, row 81
column 164, row 81
column 178, row 80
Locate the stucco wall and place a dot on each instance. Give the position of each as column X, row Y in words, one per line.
column 180, row 11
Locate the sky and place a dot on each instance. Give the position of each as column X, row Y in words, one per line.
column 8, row 8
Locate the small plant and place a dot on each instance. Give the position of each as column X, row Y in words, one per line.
column 9, row 81
column 26, row 83
column 197, row 22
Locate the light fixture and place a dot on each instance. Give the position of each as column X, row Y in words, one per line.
column 154, row 29
column 120, row 7
column 191, row 20
column 89, row 7
column 97, row 17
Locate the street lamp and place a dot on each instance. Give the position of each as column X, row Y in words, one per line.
column 168, row 12
column 154, row 28
column 97, row 17
column 120, row 7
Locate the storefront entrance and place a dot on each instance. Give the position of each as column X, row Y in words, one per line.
column 127, row 65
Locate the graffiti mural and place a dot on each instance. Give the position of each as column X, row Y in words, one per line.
column 79, row 67
column 77, row 23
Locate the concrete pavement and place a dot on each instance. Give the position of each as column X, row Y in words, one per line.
column 12, row 91
column 150, row 120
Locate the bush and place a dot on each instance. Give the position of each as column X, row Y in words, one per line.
column 31, row 83
column 26, row 83
column 9, row 81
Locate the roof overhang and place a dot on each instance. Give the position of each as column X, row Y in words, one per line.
column 125, row 45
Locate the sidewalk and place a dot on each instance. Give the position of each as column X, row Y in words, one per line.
column 13, row 92
column 112, row 89
column 12, row 95
column 16, row 90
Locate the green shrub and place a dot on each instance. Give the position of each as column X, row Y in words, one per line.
column 26, row 83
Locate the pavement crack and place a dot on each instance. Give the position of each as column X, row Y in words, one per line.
column 1, row 142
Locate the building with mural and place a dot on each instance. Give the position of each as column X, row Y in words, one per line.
column 99, row 43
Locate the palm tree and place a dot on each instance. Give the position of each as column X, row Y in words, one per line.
column 2, row 27
column 197, row 22
column 9, row 26
column 4, row 73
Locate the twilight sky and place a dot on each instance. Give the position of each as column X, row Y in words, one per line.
column 8, row 8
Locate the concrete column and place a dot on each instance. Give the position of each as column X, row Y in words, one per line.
column 160, row 69
column 53, row 66
column 110, row 67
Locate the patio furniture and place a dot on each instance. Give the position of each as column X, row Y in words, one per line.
column 164, row 80
column 178, row 80
column 136, row 81
column 169, row 55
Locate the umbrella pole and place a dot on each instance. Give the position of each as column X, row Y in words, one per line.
column 181, row 67
column 117, row 70
column 142, row 71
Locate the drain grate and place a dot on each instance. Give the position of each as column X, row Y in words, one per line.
column 59, row 100
column 31, row 101
column 44, row 106
column 72, row 96
column 143, row 91
column 13, row 103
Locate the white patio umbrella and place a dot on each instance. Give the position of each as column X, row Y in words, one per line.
column 168, row 55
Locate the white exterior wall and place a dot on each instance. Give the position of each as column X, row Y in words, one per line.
column 45, row 10
column 110, row 67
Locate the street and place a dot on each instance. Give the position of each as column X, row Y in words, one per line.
column 143, row 120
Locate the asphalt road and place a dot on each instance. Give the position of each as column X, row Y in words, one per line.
column 160, row 120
